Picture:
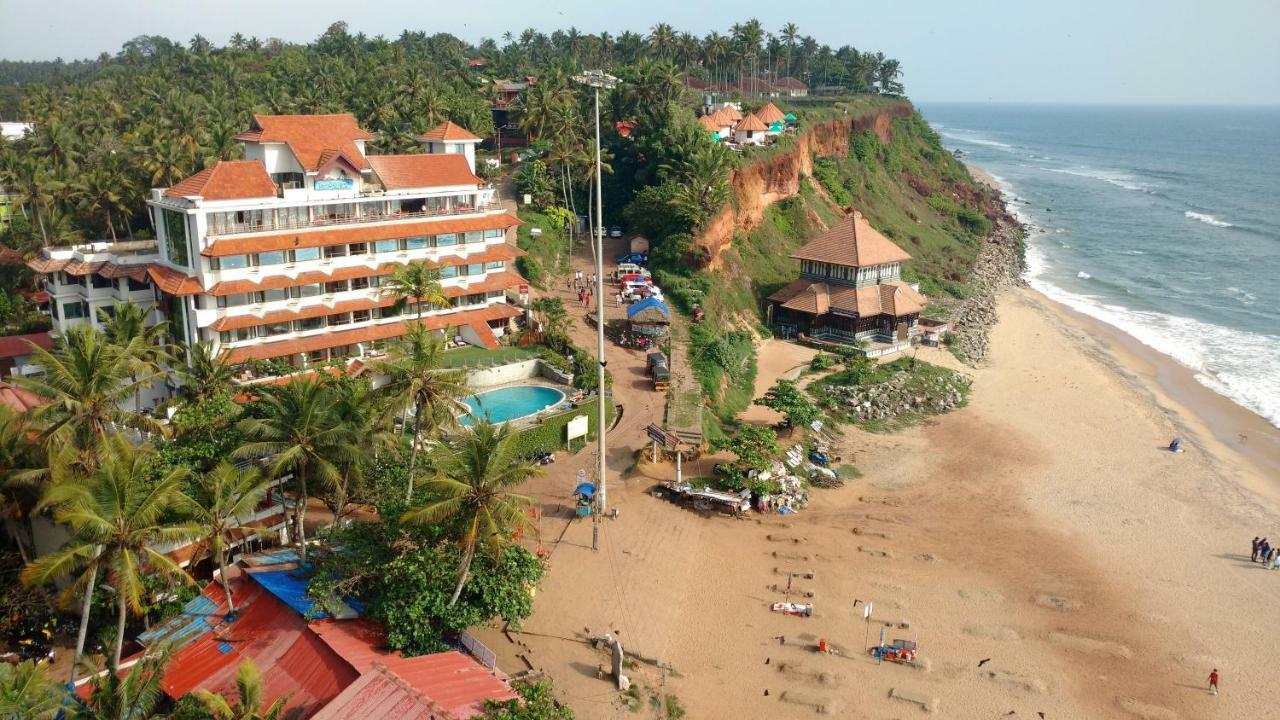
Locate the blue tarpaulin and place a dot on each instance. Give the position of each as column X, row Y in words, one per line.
column 586, row 490
column 183, row 627
column 291, row 588
column 656, row 311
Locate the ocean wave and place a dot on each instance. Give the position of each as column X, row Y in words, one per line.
column 1084, row 275
column 1238, row 364
column 974, row 138
column 1112, row 177
column 1207, row 219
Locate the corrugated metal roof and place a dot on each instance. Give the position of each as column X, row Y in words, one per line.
column 381, row 693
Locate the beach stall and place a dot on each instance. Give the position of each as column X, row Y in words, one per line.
column 649, row 317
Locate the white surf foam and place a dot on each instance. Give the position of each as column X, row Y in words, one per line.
column 1241, row 365
column 1207, row 219
column 973, row 138
column 1083, row 275
column 1112, row 177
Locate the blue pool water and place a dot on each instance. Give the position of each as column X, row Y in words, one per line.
column 511, row 403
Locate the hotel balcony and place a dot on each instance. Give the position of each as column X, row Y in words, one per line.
column 268, row 220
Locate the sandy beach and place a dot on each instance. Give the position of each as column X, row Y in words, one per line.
column 1044, row 527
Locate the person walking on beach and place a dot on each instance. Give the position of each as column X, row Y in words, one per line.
column 1213, row 682
column 1264, row 549
column 1257, row 543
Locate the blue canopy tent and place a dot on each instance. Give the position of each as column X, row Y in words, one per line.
column 649, row 317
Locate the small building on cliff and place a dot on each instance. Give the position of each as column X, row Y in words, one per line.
column 850, row 291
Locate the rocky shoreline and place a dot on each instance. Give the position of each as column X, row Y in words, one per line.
column 1000, row 264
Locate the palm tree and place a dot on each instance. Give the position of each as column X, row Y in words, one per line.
column 22, row 461
column 27, row 692
column 86, row 380
column 790, row 32
column 104, row 190
column 249, row 688
column 300, row 434
column 223, row 496
column 473, row 491
column 125, row 326
column 204, row 375
column 116, row 517
column 129, row 696
column 417, row 281
column 419, row 381
column 361, row 410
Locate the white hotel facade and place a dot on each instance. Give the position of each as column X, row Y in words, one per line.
column 282, row 255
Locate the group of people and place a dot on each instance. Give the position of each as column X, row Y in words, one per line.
column 1265, row 554
column 583, row 286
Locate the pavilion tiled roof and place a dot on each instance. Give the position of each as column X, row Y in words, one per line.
column 449, row 132
column 16, row 345
column 852, row 243
column 111, row 270
column 319, row 237
column 19, row 399
column 750, row 123
column 709, row 123
column 227, row 180
column 495, row 253
column 398, row 172
column 309, row 136
column 770, row 114
column 473, row 318
column 498, row 281
column 819, row 298
column 790, row 83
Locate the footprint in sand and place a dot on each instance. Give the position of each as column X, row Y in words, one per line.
column 928, row 557
column 1016, row 682
column 874, row 552
column 1146, row 711
column 1057, row 602
column 980, row 594
column 993, row 632
column 1090, row 645
column 892, row 587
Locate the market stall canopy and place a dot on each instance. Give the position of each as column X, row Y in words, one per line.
column 586, row 490
column 651, row 311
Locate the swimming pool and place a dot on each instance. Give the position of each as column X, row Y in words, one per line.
column 511, row 403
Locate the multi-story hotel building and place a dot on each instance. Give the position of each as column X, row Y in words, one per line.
column 282, row 255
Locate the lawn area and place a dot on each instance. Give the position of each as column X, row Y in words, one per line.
column 469, row 357
column 547, row 256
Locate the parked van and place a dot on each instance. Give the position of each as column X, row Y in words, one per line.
column 630, row 269
column 640, row 291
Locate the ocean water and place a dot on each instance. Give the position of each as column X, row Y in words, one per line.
column 1161, row 221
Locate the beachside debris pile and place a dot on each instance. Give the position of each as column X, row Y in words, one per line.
column 900, row 396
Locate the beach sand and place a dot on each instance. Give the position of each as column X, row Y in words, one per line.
column 1044, row 526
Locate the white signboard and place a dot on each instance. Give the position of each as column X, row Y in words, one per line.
column 577, row 427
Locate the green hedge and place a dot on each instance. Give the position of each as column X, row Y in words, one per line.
column 548, row 435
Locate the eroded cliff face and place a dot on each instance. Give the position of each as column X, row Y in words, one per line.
column 763, row 182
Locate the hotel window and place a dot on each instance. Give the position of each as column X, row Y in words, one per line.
column 446, row 240
column 475, row 237
column 416, row 243
column 495, row 265
column 99, row 282
column 280, row 328
column 358, row 248
column 448, row 271
column 275, row 294
column 316, row 356
column 333, row 251
column 336, row 287
column 74, row 310
column 310, row 324
column 360, row 316
column 375, row 281
column 236, row 300
column 475, row 299
column 304, row 254
column 457, row 148
column 138, row 285
column 340, row 319
column 388, row 312
column 361, row 283
column 386, row 246
column 238, row 335
column 306, row 291
column 271, row 258
column 475, row 269
column 494, row 233
column 175, row 237
column 494, row 294
column 231, row 262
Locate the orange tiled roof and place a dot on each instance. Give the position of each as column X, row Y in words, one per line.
column 853, row 243
column 448, row 132
column 731, row 113
column 227, row 180
column 818, row 298
column 498, row 281
column 319, row 237
column 790, row 83
column 43, row 264
column 502, row 252
column 263, row 351
column 750, row 123
column 770, row 114
column 707, row 122
column 19, row 399
column 308, row 136
column 172, row 282
column 113, row 271
column 398, row 172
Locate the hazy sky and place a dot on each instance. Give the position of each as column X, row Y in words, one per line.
column 1163, row 51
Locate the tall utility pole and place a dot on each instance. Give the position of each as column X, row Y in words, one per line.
column 599, row 79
